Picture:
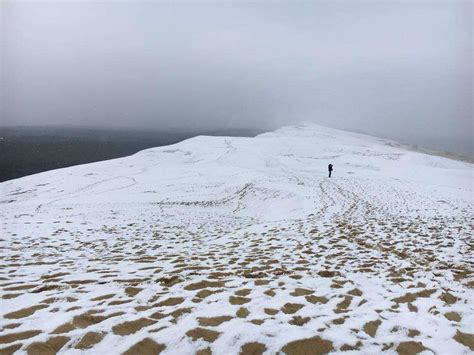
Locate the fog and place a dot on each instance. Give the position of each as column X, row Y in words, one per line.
column 398, row 69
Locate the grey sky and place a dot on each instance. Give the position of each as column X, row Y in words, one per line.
column 393, row 68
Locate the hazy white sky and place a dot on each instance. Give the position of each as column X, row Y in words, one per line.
column 396, row 68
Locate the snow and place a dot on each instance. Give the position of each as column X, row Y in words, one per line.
column 253, row 213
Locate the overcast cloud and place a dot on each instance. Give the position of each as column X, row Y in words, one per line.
column 400, row 69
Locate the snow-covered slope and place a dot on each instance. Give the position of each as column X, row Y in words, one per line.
column 228, row 244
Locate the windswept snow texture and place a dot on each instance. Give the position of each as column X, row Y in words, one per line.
column 226, row 245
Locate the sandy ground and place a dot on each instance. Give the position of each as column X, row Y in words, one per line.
column 374, row 266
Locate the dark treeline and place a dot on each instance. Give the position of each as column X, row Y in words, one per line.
column 30, row 150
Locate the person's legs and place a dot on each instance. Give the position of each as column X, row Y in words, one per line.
column 330, row 173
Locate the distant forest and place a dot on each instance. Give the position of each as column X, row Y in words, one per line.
column 30, row 150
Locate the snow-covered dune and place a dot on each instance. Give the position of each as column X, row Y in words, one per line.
column 228, row 245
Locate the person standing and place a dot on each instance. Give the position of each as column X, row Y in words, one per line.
column 330, row 169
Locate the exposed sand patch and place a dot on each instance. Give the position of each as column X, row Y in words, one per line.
column 204, row 284
column 270, row 293
column 25, row 312
column 371, row 327
column 301, row 292
column 172, row 301
column 132, row 291
column 238, row 300
column 49, row 347
column 355, row 292
column 146, row 346
column 465, row 339
column 10, row 350
column 9, row 296
column 12, row 337
column 453, row 316
column 315, row 299
column 180, row 311
column 214, row 321
column 253, row 349
column 127, row 328
column 202, row 333
column 271, row 311
column 315, row 345
column 89, row 340
column 65, row 328
column 290, row 308
column 299, row 321
column 207, row 293
column 104, row 297
column 448, row 298
column 86, row 320
column 411, row 297
column 410, row 348
column 242, row 312
column 243, row 293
